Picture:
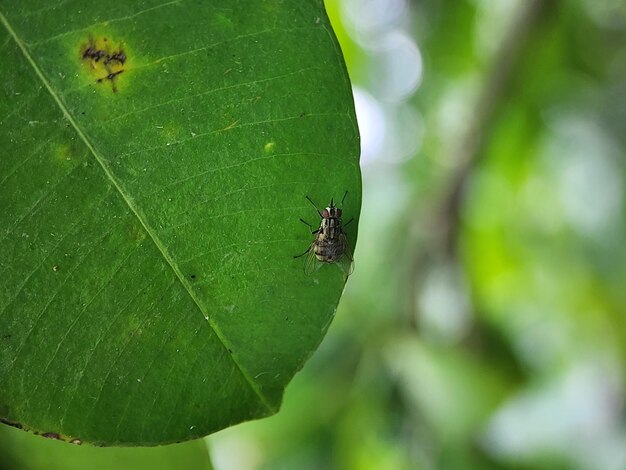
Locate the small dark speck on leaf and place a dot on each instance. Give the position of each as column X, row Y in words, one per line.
column 230, row 351
column 303, row 113
column 193, row 276
column 51, row 435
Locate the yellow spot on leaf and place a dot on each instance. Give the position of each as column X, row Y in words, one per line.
column 105, row 61
column 269, row 147
column 65, row 154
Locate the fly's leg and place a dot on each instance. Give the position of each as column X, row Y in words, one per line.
column 313, row 232
column 312, row 203
column 302, row 254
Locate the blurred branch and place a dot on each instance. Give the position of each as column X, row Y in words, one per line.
column 491, row 95
column 441, row 242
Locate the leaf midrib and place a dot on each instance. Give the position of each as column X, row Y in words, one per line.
column 136, row 211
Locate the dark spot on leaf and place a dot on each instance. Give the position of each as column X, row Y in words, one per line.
column 11, row 423
column 103, row 58
column 52, row 435
column 7, row 336
column 230, row 351
column 94, row 54
column 193, row 276
column 111, row 77
column 303, row 113
column 119, row 57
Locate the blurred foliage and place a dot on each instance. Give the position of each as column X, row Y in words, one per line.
column 484, row 325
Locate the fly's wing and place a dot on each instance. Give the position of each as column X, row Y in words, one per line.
column 346, row 262
column 311, row 263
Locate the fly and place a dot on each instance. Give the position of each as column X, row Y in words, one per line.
column 330, row 244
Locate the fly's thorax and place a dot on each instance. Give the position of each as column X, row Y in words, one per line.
column 331, row 228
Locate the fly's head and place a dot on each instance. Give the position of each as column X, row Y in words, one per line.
column 332, row 211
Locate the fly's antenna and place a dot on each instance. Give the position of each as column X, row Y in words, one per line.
column 313, row 204
column 332, row 202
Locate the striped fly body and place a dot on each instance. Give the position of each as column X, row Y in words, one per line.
column 330, row 244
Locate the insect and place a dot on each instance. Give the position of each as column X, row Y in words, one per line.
column 330, row 244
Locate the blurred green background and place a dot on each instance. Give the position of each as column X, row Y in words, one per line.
column 484, row 325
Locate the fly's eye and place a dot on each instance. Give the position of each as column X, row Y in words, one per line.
column 325, row 214
column 338, row 212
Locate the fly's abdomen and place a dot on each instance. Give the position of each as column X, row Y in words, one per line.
column 328, row 250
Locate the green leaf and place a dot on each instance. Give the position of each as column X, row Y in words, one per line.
column 22, row 451
column 155, row 160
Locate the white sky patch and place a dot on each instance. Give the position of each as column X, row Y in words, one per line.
column 372, row 124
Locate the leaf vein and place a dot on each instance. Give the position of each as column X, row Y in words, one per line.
column 230, row 127
column 234, row 165
column 108, row 21
column 101, row 338
column 45, row 308
column 208, row 92
column 73, row 325
column 147, row 369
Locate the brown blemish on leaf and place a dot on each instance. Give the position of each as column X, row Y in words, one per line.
column 94, row 54
column 104, row 59
column 56, row 436
column 119, row 57
column 48, row 435
column 11, row 423
column 111, row 77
